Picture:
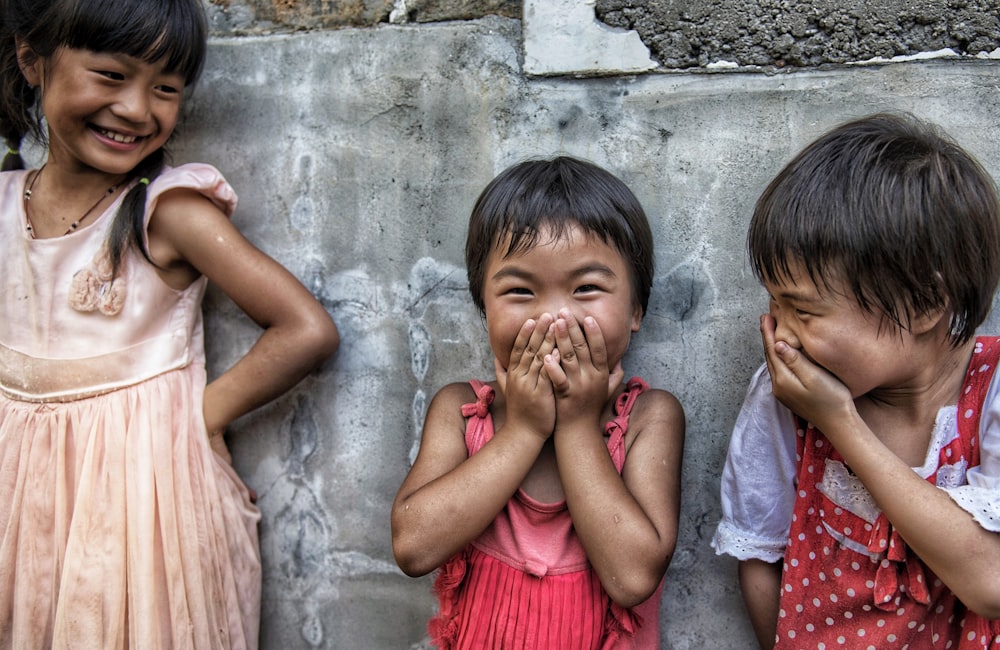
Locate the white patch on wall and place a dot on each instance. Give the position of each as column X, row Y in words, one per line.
column 564, row 37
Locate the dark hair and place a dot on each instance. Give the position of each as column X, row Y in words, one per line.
column 174, row 31
column 896, row 210
column 559, row 193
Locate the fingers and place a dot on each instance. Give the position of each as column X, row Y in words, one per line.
column 776, row 353
column 595, row 343
column 555, row 372
column 574, row 343
column 533, row 342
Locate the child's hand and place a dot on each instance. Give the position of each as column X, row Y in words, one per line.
column 578, row 369
column 804, row 387
column 526, row 388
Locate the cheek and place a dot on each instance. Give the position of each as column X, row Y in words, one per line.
column 503, row 329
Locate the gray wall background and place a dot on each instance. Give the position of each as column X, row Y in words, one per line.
column 357, row 153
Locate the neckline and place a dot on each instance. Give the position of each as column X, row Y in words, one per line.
column 85, row 227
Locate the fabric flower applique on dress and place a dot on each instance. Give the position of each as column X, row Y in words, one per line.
column 94, row 289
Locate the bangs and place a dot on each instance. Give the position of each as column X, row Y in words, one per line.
column 173, row 31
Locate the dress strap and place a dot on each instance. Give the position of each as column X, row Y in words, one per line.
column 978, row 378
column 616, row 428
column 479, row 423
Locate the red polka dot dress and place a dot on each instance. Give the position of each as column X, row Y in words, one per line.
column 849, row 580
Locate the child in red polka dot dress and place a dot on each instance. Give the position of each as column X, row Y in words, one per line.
column 861, row 493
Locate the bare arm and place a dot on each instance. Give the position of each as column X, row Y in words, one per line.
column 918, row 510
column 449, row 498
column 628, row 523
column 188, row 235
column 760, row 584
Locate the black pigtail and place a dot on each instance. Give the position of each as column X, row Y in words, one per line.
column 17, row 99
column 129, row 225
column 12, row 159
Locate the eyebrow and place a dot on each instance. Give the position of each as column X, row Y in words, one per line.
column 519, row 273
column 799, row 296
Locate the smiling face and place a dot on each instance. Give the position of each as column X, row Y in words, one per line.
column 864, row 351
column 578, row 272
column 105, row 112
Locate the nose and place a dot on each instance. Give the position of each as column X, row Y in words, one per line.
column 133, row 105
column 784, row 329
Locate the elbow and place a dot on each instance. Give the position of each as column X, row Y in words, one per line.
column 986, row 602
column 631, row 593
column 321, row 336
column 981, row 593
column 639, row 584
column 411, row 558
column 638, row 588
column 408, row 559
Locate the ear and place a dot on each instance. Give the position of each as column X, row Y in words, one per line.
column 29, row 62
column 938, row 317
column 636, row 317
column 927, row 321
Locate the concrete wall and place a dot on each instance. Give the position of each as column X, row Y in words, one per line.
column 358, row 153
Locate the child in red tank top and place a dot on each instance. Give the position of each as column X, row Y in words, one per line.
column 549, row 497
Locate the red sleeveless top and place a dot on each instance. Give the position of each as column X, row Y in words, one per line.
column 526, row 581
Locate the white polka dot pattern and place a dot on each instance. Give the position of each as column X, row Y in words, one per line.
column 849, row 580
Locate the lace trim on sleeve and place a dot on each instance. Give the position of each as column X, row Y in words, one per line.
column 729, row 540
column 980, row 502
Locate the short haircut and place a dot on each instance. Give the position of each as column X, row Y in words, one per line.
column 559, row 193
column 895, row 209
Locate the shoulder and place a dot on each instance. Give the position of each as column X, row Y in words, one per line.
column 657, row 413
column 657, row 404
column 191, row 183
column 452, row 397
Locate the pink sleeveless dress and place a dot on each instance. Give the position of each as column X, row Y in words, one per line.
column 849, row 580
column 526, row 581
column 119, row 527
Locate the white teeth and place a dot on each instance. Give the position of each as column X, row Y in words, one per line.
column 118, row 137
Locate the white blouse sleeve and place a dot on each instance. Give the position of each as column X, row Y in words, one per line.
column 758, row 482
column 980, row 496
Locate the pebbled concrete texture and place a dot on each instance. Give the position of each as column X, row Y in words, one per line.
column 358, row 153
column 779, row 33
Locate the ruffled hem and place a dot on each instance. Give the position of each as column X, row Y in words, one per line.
column 443, row 627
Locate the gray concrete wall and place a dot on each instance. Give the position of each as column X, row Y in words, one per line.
column 357, row 155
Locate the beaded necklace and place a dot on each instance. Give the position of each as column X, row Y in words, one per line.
column 74, row 225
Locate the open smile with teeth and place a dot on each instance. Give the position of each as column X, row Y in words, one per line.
column 117, row 137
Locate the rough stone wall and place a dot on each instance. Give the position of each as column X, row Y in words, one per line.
column 230, row 17
column 683, row 34
column 776, row 33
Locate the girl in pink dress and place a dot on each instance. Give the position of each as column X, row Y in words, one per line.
column 549, row 497
column 119, row 526
column 862, row 489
